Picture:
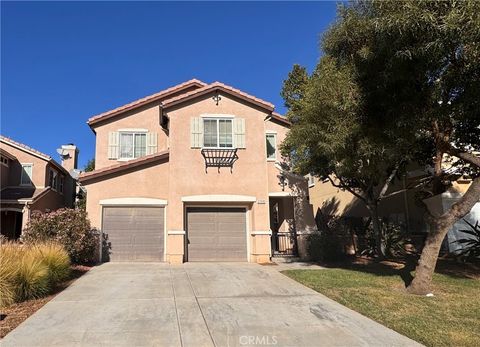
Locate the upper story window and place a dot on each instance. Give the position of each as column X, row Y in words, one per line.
column 126, row 144
column 271, row 140
column 217, row 133
column 53, row 179
column 26, row 175
column 132, row 145
column 4, row 160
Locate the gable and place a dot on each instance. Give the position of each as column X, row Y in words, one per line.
column 174, row 91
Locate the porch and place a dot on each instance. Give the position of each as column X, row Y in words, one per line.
column 282, row 224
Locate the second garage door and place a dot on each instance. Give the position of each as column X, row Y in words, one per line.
column 135, row 233
column 216, row 234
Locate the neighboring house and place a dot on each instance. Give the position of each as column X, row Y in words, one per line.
column 192, row 173
column 402, row 208
column 32, row 181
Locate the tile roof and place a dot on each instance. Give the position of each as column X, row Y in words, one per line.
column 86, row 176
column 21, row 193
column 33, row 151
column 27, row 148
column 218, row 86
column 280, row 118
column 145, row 100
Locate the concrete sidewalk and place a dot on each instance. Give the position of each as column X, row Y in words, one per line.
column 196, row 304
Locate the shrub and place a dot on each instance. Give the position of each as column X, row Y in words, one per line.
column 56, row 259
column 31, row 280
column 326, row 246
column 394, row 240
column 8, row 272
column 28, row 272
column 470, row 250
column 70, row 228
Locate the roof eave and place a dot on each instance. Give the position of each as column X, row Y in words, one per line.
column 213, row 88
column 94, row 175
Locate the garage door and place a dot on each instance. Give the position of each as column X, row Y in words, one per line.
column 135, row 233
column 216, row 234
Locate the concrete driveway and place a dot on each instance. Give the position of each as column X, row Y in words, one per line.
column 196, row 304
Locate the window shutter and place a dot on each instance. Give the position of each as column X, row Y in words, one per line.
column 196, row 132
column 239, row 132
column 151, row 143
column 113, row 144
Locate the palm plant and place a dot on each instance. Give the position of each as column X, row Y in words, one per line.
column 471, row 245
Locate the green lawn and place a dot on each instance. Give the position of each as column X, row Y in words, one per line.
column 451, row 318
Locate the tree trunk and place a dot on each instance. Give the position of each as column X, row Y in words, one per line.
column 377, row 229
column 440, row 226
column 421, row 283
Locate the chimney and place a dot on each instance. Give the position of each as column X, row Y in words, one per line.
column 69, row 157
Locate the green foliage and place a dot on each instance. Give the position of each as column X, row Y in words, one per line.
column 294, row 86
column 68, row 227
column 90, row 166
column 397, row 83
column 471, row 245
column 325, row 246
column 394, row 240
column 29, row 272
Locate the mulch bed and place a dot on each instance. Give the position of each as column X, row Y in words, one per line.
column 12, row 316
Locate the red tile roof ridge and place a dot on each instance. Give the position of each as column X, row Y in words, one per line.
column 145, row 99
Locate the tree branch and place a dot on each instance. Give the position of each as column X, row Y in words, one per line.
column 343, row 185
column 467, row 156
column 389, row 180
column 466, row 202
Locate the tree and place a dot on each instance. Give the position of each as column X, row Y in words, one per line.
column 415, row 65
column 329, row 138
column 82, row 200
column 90, row 166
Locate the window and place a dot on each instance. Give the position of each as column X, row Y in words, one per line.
column 4, row 161
column 52, row 180
column 217, row 133
column 26, row 176
column 133, row 145
column 60, row 184
column 271, row 146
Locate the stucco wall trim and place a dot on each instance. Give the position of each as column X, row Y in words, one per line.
column 219, row 198
column 260, row 232
column 280, row 194
column 133, row 202
column 176, row 232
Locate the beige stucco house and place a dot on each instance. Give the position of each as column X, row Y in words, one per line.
column 32, row 181
column 193, row 173
column 403, row 208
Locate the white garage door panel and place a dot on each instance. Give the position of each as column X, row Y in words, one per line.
column 135, row 233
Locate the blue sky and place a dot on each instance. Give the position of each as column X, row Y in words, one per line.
column 62, row 62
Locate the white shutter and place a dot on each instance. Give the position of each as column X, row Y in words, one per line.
column 151, row 143
column 239, row 132
column 113, row 144
column 196, row 132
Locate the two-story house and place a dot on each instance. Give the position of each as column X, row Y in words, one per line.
column 193, row 173
column 32, row 181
